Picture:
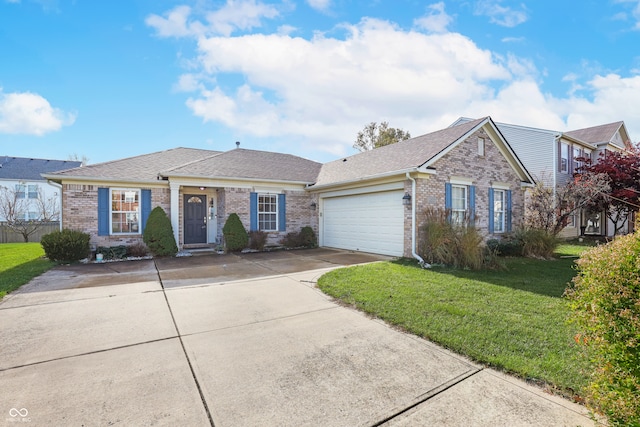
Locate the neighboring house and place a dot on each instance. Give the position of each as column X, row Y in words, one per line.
column 551, row 157
column 353, row 203
column 23, row 175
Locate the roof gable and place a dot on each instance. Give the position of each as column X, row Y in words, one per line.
column 610, row 133
column 22, row 168
column 399, row 157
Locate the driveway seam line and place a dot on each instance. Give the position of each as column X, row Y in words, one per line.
column 184, row 350
column 26, row 365
column 428, row 396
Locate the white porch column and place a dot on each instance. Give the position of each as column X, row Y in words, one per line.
column 175, row 211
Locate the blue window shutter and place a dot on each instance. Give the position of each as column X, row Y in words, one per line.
column 145, row 208
column 508, row 219
column 447, row 200
column 282, row 212
column 491, row 226
column 472, row 204
column 103, row 211
column 253, row 209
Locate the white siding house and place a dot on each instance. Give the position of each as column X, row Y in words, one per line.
column 550, row 156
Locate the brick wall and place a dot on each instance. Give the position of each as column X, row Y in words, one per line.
column 463, row 161
column 80, row 212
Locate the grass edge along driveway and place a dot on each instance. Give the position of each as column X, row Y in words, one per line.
column 513, row 320
column 19, row 263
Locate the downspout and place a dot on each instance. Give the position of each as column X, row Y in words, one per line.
column 413, row 224
column 55, row 184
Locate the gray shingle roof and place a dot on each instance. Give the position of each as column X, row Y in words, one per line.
column 400, row 156
column 250, row 164
column 23, row 168
column 596, row 134
column 139, row 168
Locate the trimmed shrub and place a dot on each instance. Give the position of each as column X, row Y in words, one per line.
column 158, row 234
column 305, row 238
column 66, row 245
column 257, row 240
column 605, row 303
column 235, row 235
column 507, row 246
column 308, row 237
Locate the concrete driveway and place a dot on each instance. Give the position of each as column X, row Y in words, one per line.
column 162, row 343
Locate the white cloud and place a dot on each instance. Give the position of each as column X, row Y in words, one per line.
column 501, row 15
column 436, row 20
column 320, row 5
column 234, row 15
column 30, row 114
column 318, row 93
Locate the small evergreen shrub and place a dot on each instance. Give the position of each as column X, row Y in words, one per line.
column 506, row 247
column 257, row 240
column 158, row 234
column 605, row 303
column 66, row 245
column 308, row 237
column 235, row 235
column 305, row 238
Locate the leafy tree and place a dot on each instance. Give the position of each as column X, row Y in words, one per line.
column 158, row 234
column 550, row 209
column 16, row 209
column 376, row 135
column 622, row 172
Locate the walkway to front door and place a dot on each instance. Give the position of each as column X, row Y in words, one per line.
column 195, row 219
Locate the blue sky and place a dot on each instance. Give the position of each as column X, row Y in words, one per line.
column 112, row 79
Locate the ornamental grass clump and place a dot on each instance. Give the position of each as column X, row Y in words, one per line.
column 605, row 303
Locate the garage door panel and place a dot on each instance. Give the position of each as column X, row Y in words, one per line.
column 368, row 222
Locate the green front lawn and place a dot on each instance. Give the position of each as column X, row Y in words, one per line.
column 19, row 263
column 513, row 320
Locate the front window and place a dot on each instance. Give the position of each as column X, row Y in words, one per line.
column 33, row 191
column 576, row 154
column 125, row 211
column 21, row 191
column 499, row 211
column 268, row 212
column 458, row 204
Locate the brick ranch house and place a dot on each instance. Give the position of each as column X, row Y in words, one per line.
column 371, row 201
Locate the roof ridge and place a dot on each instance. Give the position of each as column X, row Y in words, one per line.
column 191, row 162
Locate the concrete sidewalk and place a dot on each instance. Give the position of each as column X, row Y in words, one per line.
column 266, row 351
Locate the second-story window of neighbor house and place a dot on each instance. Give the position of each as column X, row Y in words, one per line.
column 33, row 191
column 564, row 157
column 21, row 191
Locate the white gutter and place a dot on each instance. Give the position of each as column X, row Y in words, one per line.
column 55, row 184
column 413, row 224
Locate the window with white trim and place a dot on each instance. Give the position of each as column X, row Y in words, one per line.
column 125, row 211
column 458, row 204
column 32, row 191
column 577, row 153
column 499, row 210
column 564, row 157
column 21, row 191
column 268, row 212
column 481, row 147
